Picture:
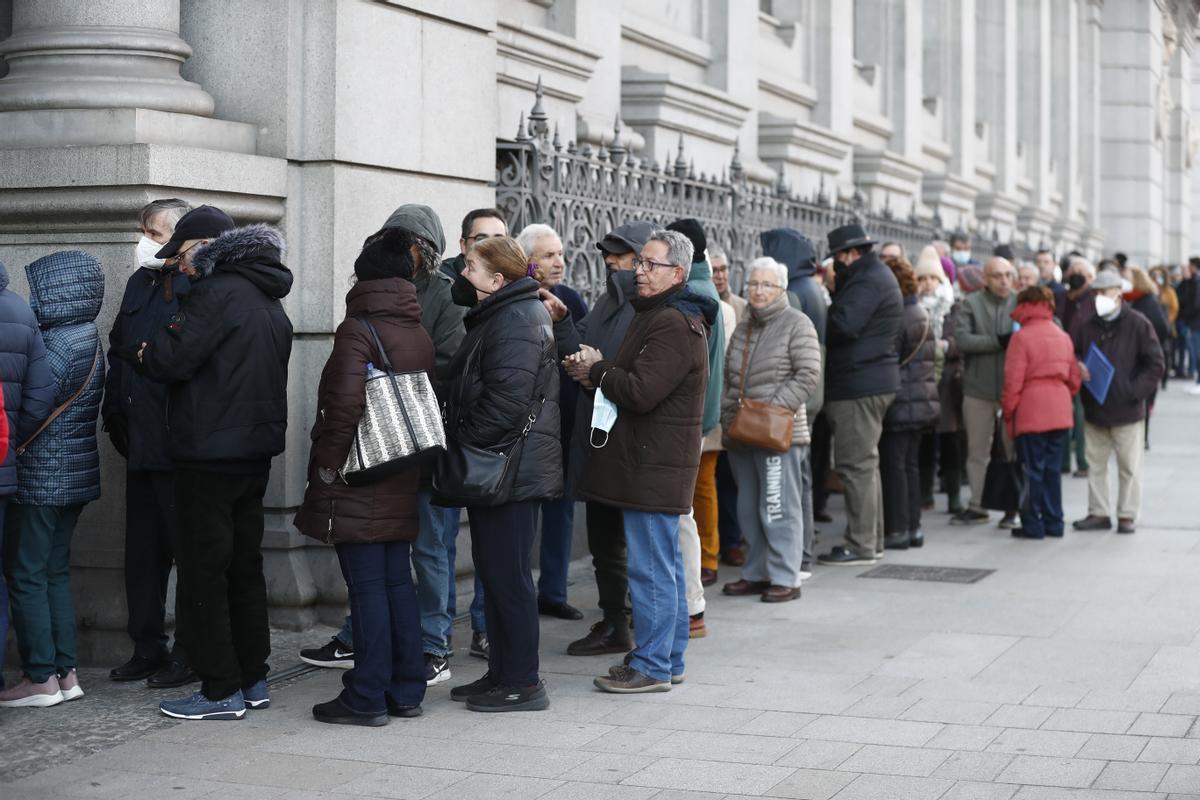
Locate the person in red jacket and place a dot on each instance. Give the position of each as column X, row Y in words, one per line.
column 1041, row 376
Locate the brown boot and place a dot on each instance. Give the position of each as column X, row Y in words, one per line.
column 603, row 638
column 745, row 587
column 780, row 594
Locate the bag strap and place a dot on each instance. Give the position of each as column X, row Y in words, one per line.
column 920, row 344
column 70, row 401
column 384, row 361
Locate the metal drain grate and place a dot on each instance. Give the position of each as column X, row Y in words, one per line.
column 912, row 572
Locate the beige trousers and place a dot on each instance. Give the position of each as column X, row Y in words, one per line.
column 1129, row 443
column 979, row 421
column 689, row 545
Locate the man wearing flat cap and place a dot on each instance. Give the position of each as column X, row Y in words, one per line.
column 861, row 379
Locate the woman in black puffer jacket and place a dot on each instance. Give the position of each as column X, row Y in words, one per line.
column 915, row 409
column 505, row 398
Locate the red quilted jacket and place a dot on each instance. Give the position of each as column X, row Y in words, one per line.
column 1040, row 374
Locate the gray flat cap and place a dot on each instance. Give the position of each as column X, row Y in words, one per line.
column 1107, row 279
column 420, row 221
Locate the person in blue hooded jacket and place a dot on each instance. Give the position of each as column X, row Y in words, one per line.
column 28, row 399
column 58, row 474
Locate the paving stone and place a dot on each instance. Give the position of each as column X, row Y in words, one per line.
column 1050, row 793
column 1180, row 778
column 680, row 717
column 297, row 772
column 776, row 723
column 949, row 655
column 1001, row 689
column 533, row 732
column 599, row 791
column 532, row 762
column 884, row 685
column 1049, row 771
column 881, row 706
column 627, row 740
column 890, row 760
column 812, row 784
column 1123, row 700
column 961, row 712
column 1056, row 696
column 497, row 787
column 607, row 768
column 1172, row 751
column 1016, row 716
column 1163, row 724
column 973, row 790
column 1182, row 703
column 964, row 737
column 1090, row 721
column 872, row 731
column 708, row 746
column 1135, row 777
column 712, row 776
column 1113, row 747
column 402, row 783
column 969, row 766
column 819, row 754
column 1039, row 743
column 894, row 787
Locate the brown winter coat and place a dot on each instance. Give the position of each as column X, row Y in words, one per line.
column 784, row 367
column 385, row 510
column 657, row 382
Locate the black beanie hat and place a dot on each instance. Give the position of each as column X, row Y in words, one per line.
column 383, row 258
column 692, row 229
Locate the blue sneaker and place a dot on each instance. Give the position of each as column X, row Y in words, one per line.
column 257, row 696
column 200, row 707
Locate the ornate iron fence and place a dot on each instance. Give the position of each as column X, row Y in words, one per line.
column 584, row 193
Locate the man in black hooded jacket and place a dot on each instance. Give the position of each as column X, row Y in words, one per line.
column 224, row 356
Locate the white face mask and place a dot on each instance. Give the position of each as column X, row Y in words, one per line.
column 1106, row 306
column 146, row 248
column 604, row 416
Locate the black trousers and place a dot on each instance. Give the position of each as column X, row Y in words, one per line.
column 149, row 554
column 899, row 474
column 502, row 548
column 940, row 452
column 727, row 494
column 606, row 542
column 221, row 595
column 819, row 453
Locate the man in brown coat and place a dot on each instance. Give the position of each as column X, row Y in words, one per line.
column 650, row 402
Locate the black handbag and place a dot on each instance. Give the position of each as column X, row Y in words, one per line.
column 1004, row 485
column 466, row 475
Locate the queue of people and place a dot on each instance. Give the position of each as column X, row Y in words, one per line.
column 697, row 425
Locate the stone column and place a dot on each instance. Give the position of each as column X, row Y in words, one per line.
column 1036, row 218
column 996, row 83
column 95, row 121
column 1064, row 65
column 1134, row 118
column 1177, row 244
column 833, row 74
column 1089, row 122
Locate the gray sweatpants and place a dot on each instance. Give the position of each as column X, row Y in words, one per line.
column 770, row 512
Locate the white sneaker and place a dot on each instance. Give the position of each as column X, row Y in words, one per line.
column 803, row 575
column 28, row 694
column 1194, row 389
column 69, row 686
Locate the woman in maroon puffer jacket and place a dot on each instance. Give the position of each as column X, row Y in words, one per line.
column 1041, row 376
column 371, row 526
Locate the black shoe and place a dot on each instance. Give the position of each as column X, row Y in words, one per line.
column 1009, row 521
column 334, row 655
column 844, row 557
column 172, row 675
column 511, row 698
column 335, row 712
column 406, row 712
column 1021, row 533
column 137, row 668
column 479, row 645
column 561, row 610
column 969, row 517
column 1125, row 525
column 437, row 669
column 896, row 541
column 603, row 638
column 459, row 694
column 916, row 538
column 822, row 516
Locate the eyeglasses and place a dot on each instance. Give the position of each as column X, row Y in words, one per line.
column 754, row 286
column 647, row 264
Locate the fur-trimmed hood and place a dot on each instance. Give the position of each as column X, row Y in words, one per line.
column 253, row 252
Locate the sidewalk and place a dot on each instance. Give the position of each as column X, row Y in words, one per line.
column 1072, row 671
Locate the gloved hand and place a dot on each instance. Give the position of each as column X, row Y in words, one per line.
column 117, row 428
column 1004, row 340
column 127, row 352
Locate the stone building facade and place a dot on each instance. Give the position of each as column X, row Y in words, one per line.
column 1060, row 123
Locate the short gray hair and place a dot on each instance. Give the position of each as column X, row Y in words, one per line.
column 679, row 249
column 174, row 207
column 531, row 233
column 1084, row 265
column 716, row 251
column 768, row 263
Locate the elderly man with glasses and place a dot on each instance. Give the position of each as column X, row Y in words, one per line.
column 650, row 402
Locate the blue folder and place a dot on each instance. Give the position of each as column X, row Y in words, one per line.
column 1101, row 371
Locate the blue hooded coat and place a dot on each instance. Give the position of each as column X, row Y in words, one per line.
column 62, row 466
column 27, row 383
column 792, row 249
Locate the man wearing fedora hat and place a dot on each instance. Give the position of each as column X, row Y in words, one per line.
column 861, row 380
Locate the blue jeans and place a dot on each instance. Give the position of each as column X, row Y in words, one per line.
column 1194, row 351
column 659, row 592
column 1041, row 455
column 429, row 557
column 478, row 623
column 558, row 519
column 387, row 627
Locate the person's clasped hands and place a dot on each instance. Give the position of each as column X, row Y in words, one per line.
column 579, row 365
